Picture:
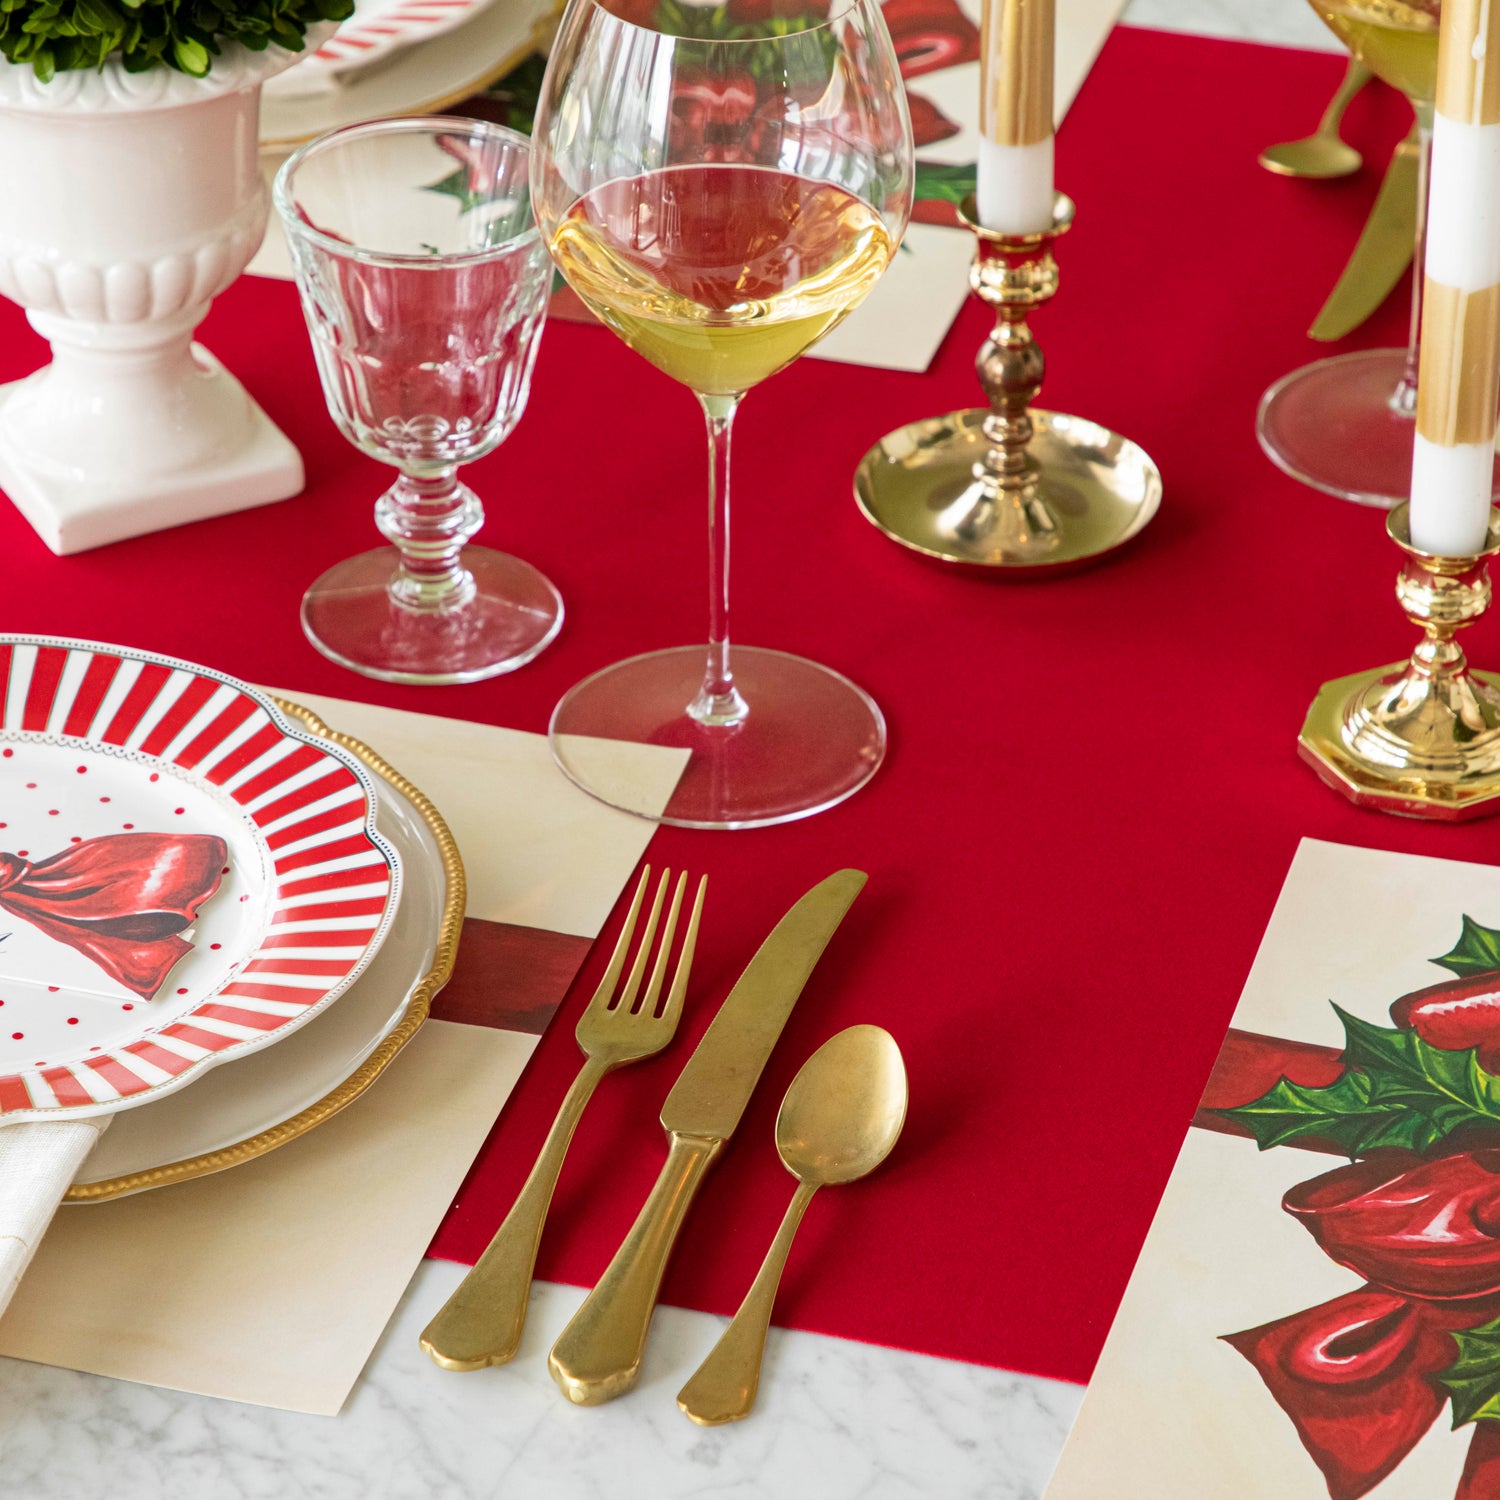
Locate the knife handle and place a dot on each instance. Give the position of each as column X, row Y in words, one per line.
column 598, row 1355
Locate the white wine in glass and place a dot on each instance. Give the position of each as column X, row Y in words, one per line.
column 1395, row 41
column 721, row 275
column 721, row 201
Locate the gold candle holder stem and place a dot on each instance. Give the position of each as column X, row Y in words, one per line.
column 1009, row 487
column 1012, row 274
column 1420, row 738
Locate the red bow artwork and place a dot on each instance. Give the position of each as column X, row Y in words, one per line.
column 1415, row 1215
column 122, row 900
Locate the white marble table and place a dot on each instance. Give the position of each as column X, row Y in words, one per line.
column 835, row 1420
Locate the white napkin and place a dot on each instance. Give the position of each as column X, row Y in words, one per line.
column 38, row 1161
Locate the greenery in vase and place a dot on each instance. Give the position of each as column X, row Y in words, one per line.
column 54, row 36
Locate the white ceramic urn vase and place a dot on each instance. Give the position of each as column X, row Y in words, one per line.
column 128, row 201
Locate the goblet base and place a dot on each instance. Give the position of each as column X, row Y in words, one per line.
column 810, row 739
column 514, row 612
column 1332, row 425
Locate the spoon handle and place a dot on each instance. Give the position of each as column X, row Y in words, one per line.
column 723, row 1387
column 1356, row 76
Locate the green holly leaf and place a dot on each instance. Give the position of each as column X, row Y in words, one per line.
column 945, row 182
column 1396, row 1091
column 456, row 185
column 1343, row 1113
column 1476, row 952
column 1473, row 1379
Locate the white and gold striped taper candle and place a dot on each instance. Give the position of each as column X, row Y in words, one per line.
column 1015, row 116
column 1459, row 377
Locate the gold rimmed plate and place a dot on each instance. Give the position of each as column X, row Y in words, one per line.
column 266, row 1100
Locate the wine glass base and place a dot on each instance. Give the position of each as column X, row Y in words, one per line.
column 810, row 739
column 1331, row 425
column 514, row 614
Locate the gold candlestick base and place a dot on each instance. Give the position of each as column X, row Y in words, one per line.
column 1008, row 489
column 1419, row 738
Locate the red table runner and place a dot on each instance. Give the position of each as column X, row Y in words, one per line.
column 1092, row 793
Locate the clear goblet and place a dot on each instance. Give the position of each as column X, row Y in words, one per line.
column 1347, row 425
column 424, row 282
column 721, row 200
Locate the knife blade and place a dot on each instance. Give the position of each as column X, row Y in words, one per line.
column 598, row 1355
column 1383, row 251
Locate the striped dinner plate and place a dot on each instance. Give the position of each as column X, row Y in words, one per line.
column 186, row 875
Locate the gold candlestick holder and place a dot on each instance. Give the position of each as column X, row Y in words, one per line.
column 1009, row 489
column 1422, row 737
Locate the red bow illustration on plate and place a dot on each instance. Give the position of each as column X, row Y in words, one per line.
column 1415, row 1215
column 121, row 900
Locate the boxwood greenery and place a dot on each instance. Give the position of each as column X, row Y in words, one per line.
column 55, row 35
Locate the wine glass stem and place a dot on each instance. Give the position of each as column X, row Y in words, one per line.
column 1404, row 400
column 718, row 702
column 429, row 518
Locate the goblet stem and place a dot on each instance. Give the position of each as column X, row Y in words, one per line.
column 1404, row 398
column 718, row 702
column 429, row 519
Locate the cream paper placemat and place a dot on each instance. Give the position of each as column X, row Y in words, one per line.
column 271, row 1282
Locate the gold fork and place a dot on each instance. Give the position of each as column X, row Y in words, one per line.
column 481, row 1323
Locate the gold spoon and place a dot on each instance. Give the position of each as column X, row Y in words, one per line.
column 1323, row 153
column 839, row 1120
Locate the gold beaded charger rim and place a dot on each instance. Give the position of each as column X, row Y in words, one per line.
column 415, row 1013
column 917, row 486
column 1321, row 745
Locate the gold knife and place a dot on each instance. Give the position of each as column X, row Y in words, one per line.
column 598, row 1355
column 1383, row 252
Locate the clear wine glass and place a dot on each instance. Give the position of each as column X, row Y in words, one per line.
column 1347, row 425
column 424, row 282
column 721, row 200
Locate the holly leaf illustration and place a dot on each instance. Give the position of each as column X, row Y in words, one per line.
column 945, row 182
column 1343, row 1113
column 1473, row 1379
column 1396, row 1091
column 1476, row 952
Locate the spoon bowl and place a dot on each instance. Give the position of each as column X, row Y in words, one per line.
column 1314, row 156
column 845, row 1108
column 1322, row 154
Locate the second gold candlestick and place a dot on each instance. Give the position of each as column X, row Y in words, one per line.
column 1010, row 489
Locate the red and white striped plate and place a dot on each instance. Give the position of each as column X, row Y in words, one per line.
column 379, row 27
column 185, row 875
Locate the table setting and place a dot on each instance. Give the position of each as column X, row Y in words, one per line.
column 437, row 993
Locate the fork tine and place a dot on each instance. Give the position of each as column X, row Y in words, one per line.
column 672, row 1010
column 647, row 1007
column 625, row 1001
column 622, row 943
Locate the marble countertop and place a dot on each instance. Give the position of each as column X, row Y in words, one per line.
column 837, row 1420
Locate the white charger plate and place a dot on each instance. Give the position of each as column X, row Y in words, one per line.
column 265, row 1100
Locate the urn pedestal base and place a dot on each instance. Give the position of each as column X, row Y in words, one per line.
column 72, row 513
